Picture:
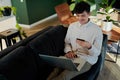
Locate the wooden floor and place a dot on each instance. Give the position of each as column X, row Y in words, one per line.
column 110, row 71
column 50, row 22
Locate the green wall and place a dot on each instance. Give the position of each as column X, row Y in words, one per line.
column 31, row 11
column 21, row 11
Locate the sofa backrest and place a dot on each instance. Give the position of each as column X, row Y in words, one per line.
column 23, row 42
column 51, row 42
column 20, row 64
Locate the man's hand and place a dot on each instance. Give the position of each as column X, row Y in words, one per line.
column 70, row 54
column 84, row 44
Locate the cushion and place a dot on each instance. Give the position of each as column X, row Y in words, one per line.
column 2, row 77
column 19, row 65
column 51, row 42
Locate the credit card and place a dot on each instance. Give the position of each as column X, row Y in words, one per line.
column 80, row 39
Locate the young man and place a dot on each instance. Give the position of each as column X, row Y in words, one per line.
column 83, row 40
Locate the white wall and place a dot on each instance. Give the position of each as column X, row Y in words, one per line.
column 7, row 22
column 5, row 2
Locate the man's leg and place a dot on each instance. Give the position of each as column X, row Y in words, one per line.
column 54, row 73
column 67, row 75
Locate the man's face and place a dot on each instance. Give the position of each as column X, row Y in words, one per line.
column 83, row 17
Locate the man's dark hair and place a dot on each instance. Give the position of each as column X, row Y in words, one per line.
column 81, row 7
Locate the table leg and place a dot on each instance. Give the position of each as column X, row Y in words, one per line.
column 8, row 42
column 1, row 43
column 20, row 36
column 118, row 47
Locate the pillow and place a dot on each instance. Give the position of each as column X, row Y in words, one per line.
column 50, row 43
column 2, row 77
column 20, row 64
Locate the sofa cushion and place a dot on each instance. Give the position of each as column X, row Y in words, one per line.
column 2, row 77
column 19, row 64
column 44, row 69
column 51, row 42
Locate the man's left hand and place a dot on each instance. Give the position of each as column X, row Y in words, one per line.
column 84, row 44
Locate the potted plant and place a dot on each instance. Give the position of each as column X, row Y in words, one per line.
column 107, row 9
column 6, row 10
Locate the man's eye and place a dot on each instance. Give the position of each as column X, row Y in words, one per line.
column 83, row 15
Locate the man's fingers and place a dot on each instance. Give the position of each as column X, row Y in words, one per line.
column 70, row 55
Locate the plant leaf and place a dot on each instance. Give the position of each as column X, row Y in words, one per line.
column 18, row 27
column 101, row 13
column 72, row 6
column 108, row 18
column 113, row 1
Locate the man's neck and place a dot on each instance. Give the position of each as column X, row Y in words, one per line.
column 86, row 21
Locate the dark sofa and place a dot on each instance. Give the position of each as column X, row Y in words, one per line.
column 21, row 61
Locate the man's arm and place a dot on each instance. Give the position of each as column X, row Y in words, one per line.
column 96, row 46
column 68, row 46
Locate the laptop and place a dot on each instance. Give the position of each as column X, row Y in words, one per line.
column 63, row 62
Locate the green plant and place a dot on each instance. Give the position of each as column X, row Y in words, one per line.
column 91, row 2
column 106, row 9
column 1, row 14
column 10, row 8
column 1, row 9
column 73, row 2
column 22, row 32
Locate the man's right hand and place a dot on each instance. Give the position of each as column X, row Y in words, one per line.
column 70, row 54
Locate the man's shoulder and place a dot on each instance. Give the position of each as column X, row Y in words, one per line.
column 74, row 24
column 95, row 26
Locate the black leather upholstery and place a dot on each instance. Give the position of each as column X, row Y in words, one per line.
column 19, row 65
column 51, row 42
